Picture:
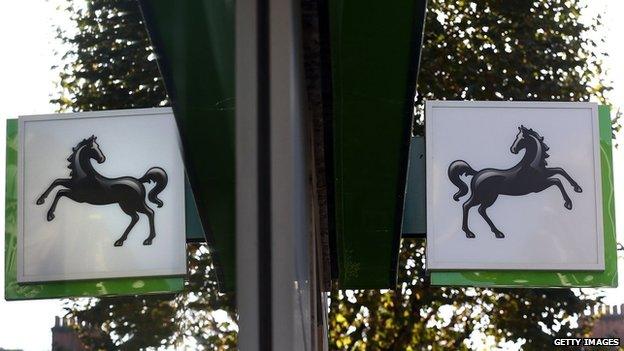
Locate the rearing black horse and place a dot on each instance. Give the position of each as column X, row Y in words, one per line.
column 530, row 175
column 87, row 185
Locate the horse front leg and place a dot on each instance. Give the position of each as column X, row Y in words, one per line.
column 55, row 183
column 59, row 195
column 557, row 170
column 556, row 182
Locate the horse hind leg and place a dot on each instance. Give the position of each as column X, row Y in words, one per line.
column 134, row 219
column 482, row 211
column 466, row 209
column 150, row 215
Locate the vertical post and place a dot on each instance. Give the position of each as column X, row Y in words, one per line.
column 273, row 238
column 291, row 234
column 247, row 232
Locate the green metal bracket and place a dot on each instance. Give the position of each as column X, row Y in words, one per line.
column 194, row 230
column 375, row 50
column 415, row 210
column 194, row 42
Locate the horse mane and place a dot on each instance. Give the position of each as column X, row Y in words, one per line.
column 75, row 149
column 540, row 139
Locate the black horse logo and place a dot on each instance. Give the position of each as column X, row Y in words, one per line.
column 530, row 175
column 87, row 185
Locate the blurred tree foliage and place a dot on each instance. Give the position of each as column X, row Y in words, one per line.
column 482, row 50
column 486, row 50
column 109, row 64
column 510, row 50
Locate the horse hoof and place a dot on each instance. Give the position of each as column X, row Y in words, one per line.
column 50, row 216
column 40, row 201
column 118, row 243
column 578, row 189
column 499, row 235
column 568, row 205
column 147, row 242
column 470, row 235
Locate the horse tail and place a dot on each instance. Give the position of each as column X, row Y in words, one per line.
column 159, row 176
column 455, row 170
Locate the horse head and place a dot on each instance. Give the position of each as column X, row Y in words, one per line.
column 520, row 142
column 533, row 143
column 86, row 150
column 94, row 151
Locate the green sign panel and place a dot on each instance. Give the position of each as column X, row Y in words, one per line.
column 14, row 291
column 606, row 278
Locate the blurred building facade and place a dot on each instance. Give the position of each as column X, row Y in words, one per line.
column 610, row 322
column 64, row 337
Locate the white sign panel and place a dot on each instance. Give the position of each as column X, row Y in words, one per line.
column 101, row 195
column 513, row 185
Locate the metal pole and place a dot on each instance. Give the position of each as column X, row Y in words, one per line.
column 273, row 227
column 291, row 234
column 247, row 232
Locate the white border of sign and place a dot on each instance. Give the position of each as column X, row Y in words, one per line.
column 20, row 191
column 433, row 264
